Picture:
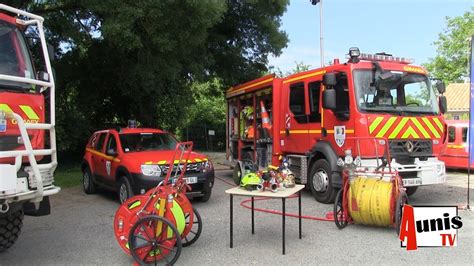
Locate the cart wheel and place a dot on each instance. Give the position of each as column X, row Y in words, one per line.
column 401, row 200
column 196, row 228
column 339, row 218
column 154, row 239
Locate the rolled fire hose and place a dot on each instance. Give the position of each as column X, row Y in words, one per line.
column 370, row 201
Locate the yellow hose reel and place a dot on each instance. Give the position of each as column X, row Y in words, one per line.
column 370, row 201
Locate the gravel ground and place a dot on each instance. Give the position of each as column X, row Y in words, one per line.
column 79, row 231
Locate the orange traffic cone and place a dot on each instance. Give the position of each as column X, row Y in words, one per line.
column 265, row 117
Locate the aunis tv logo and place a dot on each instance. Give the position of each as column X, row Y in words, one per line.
column 429, row 226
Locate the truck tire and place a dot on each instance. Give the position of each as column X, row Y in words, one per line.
column 411, row 190
column 10, row 228
column 88, row 181
column 125, row 190
column 320, row 183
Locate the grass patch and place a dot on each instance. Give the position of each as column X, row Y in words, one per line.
column 68, row 175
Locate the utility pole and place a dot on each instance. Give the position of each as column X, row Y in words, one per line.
column 321, row 38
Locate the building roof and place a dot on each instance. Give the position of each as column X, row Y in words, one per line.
column 457, row 95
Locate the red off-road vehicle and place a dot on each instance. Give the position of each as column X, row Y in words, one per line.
column 133, row 160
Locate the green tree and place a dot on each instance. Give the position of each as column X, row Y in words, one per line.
column 138, row 59
column 299, row 67
column 451, row 63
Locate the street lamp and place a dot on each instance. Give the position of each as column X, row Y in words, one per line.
column 321, row 40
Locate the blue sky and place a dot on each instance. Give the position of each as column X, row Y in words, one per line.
column 405, row 28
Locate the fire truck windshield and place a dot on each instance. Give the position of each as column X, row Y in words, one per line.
column 14, row 56
column 394, row 92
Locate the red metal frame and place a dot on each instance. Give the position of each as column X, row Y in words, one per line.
column 394, row 177
column 161, row 192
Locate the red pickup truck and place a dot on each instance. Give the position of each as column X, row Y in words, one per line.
column 134, row 160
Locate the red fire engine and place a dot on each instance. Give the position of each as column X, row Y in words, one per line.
column 457, row 150
column 311, row 114
column 27, row 124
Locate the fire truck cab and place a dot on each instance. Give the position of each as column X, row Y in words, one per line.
column 314, row 114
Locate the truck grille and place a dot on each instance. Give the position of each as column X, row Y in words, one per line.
column 190, row 168
column 46, row 174
column 411, row 148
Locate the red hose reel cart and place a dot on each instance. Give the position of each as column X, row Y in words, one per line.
column 372, row 192
column 153, row 227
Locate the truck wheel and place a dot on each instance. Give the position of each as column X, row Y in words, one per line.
column 205, row 197
column 401, row 201
column 411, row 190
column 88, row 182
column 125, row 189
column 320, row 182
column 10, row 227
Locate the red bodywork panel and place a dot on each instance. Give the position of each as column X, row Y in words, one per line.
column 456, row 155
column 31, row 108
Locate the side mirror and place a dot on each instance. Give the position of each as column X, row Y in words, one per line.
column 443, row 104
column 329, row 79
column 329, row 99
column 441, row 87
column 111, row 152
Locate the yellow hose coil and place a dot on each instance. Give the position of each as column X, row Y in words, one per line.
column 369, row 201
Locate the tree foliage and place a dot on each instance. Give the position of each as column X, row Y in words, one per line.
column 299, row 67
column 151, row 60
column 451, row 63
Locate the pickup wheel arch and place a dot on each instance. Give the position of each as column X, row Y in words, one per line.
column 85, row 164
column 122, row 171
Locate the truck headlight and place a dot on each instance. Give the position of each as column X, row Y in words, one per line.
column 151, row 170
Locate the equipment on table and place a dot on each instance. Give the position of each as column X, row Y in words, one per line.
column 250, row 181
column 286, row 175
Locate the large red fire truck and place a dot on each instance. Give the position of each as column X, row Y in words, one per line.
column 456, row 155
column 27, row 154
column 313, row 117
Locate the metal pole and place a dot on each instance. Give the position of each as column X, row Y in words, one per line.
column 231, row 220
column 321, row 40
column 471, row 89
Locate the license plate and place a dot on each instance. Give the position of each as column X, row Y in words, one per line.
column 412, row 181
column 188, row 180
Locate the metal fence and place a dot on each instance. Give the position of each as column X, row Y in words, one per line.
column 205, row 137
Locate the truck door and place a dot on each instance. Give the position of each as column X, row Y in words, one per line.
column 338, row 124
column 295, row 137
column 314, row 117
column 111, row 161
column 98, row 159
